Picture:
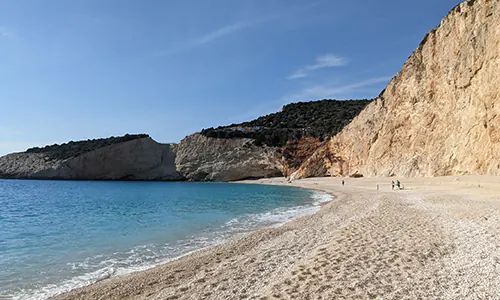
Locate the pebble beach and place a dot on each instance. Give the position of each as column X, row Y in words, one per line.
column 438, row 238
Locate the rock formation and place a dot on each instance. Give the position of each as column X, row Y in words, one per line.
column 439, row 116
column 201, row 158
column 139, row 159
column 196, row 158
column 296, row 152
column 272, row 145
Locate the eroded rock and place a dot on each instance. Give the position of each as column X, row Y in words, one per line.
column 140, row 159
column 201, row 158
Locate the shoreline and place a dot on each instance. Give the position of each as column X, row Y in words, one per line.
column 366, row 244
column 233, row 239
column 249, row 224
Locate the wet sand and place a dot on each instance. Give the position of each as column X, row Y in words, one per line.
column 439, row 238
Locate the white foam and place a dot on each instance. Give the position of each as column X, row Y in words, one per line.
column 127, row 266
column 321, row 197
column 76, row 282
column 278, row 216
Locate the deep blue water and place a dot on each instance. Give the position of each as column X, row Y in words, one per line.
column 59, row 235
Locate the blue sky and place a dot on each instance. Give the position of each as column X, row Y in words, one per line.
column 73, row 70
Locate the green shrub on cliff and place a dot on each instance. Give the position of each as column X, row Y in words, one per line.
column 73, row 149
column 303, row 119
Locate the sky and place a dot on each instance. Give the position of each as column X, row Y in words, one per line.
column 82, row 69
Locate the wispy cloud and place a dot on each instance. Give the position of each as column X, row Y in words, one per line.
column 326, row 91
column 234, row 28
column 324, row 61
column 221, row 32
column 212, row 36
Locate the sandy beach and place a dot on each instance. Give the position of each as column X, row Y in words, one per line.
column 438, row 238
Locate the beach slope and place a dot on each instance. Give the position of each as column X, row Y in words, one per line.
column 438, row 238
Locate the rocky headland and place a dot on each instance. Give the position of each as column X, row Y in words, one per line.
column 137, row 159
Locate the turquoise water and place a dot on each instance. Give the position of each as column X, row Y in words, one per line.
column 59, row 235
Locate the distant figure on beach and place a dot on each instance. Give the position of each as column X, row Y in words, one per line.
column 342, row 182
column 398, row 184
column 393, row 184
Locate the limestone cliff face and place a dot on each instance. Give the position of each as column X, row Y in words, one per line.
column 201, row 158
column 439, row 116
column 140, row 159
column 196, row 158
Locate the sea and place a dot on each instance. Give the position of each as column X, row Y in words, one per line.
column 56, row 236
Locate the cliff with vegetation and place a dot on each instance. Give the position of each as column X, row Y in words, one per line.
column 439, row 116
column 132, row 157
column 273, row 145
column 319, row 119
column 73, row 149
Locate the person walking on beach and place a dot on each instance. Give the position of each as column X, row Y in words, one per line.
column 393, row 184
column 342, row 182
column 398, row 184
